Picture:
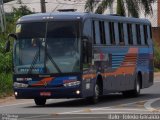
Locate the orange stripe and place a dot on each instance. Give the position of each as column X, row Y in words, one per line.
column 89, row 76
column 43, row 81
column 130, row 58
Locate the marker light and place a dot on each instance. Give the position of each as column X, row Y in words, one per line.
column 77, row 92
column 16, row 93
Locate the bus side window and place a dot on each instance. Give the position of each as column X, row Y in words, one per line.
column 112, row 33
column 145, row 34
column 138, row 34
column 121, row 34
column 130, row 34
column 150, row 30
column 93, row 26
column 102, row 33
column 97, row 33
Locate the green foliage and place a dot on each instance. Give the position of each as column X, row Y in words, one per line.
column 6, row 84
column 121, row 8
column 132, row 6
column 6, row 58
column 21, row 11
column 103, row 6
column 156, row 69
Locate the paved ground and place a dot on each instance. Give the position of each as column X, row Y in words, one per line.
column 147, row 103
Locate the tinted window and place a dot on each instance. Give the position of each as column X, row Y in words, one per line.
column 63, row 29
column 150, row 31
column 31, row 30
column 121, row 33
column 112, row 33
column 94, row 38
column 102, row 32
column 138, row 34
column 97, row 32
column 145, row 34
column 130, row 34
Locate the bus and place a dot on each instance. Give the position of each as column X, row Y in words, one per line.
column 80, row 55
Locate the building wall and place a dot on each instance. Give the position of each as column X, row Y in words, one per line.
column 156, row 34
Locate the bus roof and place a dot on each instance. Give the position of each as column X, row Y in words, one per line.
column 77, row 15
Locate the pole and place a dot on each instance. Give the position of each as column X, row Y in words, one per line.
column 2, row 17
column 43, row 6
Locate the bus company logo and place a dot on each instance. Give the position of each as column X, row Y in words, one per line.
column 45, row 83
column 101, row 57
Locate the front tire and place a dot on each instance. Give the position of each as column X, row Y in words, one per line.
column 40, row 101
column 95, row 98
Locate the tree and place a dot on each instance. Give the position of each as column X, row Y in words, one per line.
column 21, row 11
column 132, row 6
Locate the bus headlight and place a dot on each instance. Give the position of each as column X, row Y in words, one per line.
column 70, row 84
column 20, row 85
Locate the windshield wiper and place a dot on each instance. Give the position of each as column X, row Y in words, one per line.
column 33, row 62
column 54, row 63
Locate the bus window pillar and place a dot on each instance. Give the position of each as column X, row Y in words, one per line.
column 116, row 33
column 125, row 34
column 134, row 34
column 142, row 35
column 107, row 33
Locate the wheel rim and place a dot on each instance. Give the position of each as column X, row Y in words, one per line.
column 138, row 87
column 96, row 91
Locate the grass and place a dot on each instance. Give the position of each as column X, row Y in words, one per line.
column 156, row 69
column 6, row 88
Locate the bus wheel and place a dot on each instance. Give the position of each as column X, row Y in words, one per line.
column 136, row 91
column 94, row 99
column 40, row 101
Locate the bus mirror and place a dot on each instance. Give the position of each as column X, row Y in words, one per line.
column 12, row 35
column 7, row 46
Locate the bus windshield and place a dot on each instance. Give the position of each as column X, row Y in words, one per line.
column 47, row 47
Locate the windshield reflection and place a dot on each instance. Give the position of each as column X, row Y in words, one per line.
column 65, row 54
column 47, row 48
column 29, row 52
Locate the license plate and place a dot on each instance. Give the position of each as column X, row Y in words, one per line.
column 45, row 93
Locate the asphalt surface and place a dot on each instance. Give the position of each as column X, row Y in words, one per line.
column 114, row 104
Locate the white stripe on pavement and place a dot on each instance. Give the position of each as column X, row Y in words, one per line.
column 148, row 104
column 16, row 104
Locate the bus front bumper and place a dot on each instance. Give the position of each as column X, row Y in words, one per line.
column 31, row 93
